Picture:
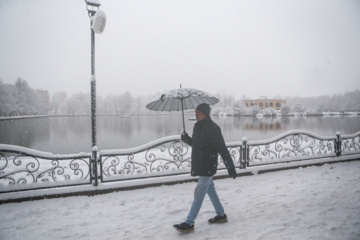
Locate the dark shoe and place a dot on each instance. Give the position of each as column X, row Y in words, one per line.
column 184, row 227
column 218, row 219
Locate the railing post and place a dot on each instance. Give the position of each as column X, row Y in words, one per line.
column 93, row 166
column 338, row 144
column 244, row 159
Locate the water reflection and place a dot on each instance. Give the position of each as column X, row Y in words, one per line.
column 73, row 134
column 264, row 124
column 24, row 133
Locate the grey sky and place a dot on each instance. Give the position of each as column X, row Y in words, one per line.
column 250, row 47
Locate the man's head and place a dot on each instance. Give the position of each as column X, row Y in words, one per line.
column 202, row 111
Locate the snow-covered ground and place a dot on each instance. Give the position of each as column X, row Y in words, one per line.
column 306, row 203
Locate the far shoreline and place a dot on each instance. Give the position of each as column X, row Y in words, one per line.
column 330, row 114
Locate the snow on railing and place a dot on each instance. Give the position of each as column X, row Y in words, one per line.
column 165, row 156
column 290, row 146
column 350, row 144
column 162, row 157
column 26, row 169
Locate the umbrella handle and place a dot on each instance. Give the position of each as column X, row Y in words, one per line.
column 182, row 110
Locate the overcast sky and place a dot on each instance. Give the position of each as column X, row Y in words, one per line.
column 241, row 47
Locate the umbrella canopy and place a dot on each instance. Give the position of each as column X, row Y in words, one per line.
column 181, row 99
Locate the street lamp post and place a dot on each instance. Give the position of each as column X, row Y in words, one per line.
column 97, row 25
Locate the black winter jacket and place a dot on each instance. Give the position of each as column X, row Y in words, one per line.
column 207, row 141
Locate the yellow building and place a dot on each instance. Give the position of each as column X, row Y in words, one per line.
column 265, row 103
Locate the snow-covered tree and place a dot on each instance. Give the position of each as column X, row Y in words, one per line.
column 25, row 98
column 253, row 110
column 285, row 109
column 239, row 107
column 126, row 101
column 79, row 104
column 7, row 101
column 269, row 112
column 299, row 108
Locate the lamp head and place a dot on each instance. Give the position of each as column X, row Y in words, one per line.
column 93, row 3
column 92, row 6
column 98, row 22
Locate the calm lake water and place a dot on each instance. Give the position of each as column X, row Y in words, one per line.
column 63, row 135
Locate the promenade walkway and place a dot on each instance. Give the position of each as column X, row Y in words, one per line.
column 317, row 202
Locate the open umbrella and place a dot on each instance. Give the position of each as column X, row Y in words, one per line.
column 181, row 99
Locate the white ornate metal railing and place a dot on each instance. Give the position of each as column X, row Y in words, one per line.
column 163, row 157
column 24, row 169
column 27, row 169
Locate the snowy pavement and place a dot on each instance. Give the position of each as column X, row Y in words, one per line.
column 306, row 203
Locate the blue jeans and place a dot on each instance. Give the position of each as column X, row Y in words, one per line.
column 204, row 186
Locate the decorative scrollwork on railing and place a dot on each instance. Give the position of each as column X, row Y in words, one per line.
column 121, row 165
column 158, row 159
column 291, row 146
column 172, row 156
column 22, row 169
column 19, row 169
column 350, row 143
column 235, row 153
column 25, row 169
column 164, row 157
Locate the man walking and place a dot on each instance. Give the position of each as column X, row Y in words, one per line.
column 206, row 141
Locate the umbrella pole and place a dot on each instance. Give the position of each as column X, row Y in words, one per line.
column 182, row 109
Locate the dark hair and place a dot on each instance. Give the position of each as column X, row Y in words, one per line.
column 204, row 108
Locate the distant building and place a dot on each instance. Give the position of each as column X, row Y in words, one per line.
column 43, row 106
column 43, row 95
column 58, row 103
column 264, row 102
column 58, row 97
